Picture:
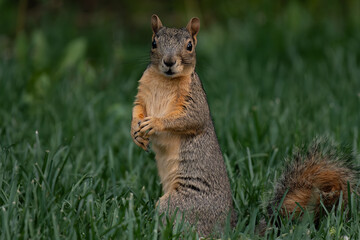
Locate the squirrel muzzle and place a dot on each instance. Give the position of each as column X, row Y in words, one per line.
column 171, row 66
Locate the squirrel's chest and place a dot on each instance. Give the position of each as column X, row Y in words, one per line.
column 160, row 102
column 160, row 94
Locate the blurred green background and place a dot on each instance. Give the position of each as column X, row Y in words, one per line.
column 277, row 74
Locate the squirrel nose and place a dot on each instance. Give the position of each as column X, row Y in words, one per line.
column 169, row 63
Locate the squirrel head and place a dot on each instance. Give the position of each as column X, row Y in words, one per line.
column 172, row 49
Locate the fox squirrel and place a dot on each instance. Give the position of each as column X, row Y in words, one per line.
column 172, row 112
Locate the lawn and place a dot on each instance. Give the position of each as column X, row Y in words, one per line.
column 69, row 168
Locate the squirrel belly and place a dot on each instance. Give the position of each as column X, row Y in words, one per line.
column 167, row 150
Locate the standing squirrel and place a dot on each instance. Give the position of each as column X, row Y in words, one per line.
column 171, row 112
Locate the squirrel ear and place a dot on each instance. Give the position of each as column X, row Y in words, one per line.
column 155, row 23
column 193, row 27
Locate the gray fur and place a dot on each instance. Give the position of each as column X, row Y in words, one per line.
column 170, row 43
column 204, row 191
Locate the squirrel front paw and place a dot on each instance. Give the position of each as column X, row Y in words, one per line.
column 150, row 125
column 141, row 141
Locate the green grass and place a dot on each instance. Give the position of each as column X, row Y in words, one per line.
column 68, row 166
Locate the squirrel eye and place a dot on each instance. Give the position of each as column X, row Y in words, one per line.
column 189, row 46
column 153, row 44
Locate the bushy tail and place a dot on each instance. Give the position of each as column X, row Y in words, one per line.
column 321, row 174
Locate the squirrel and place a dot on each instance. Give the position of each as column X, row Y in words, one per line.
column 171, row 111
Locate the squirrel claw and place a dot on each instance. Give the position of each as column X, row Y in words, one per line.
column 140, row 141
column 147, row 150
column 149, row 126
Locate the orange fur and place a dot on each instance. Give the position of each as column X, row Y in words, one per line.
column 302, row 197
column 162, row 98
column 318, row 181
